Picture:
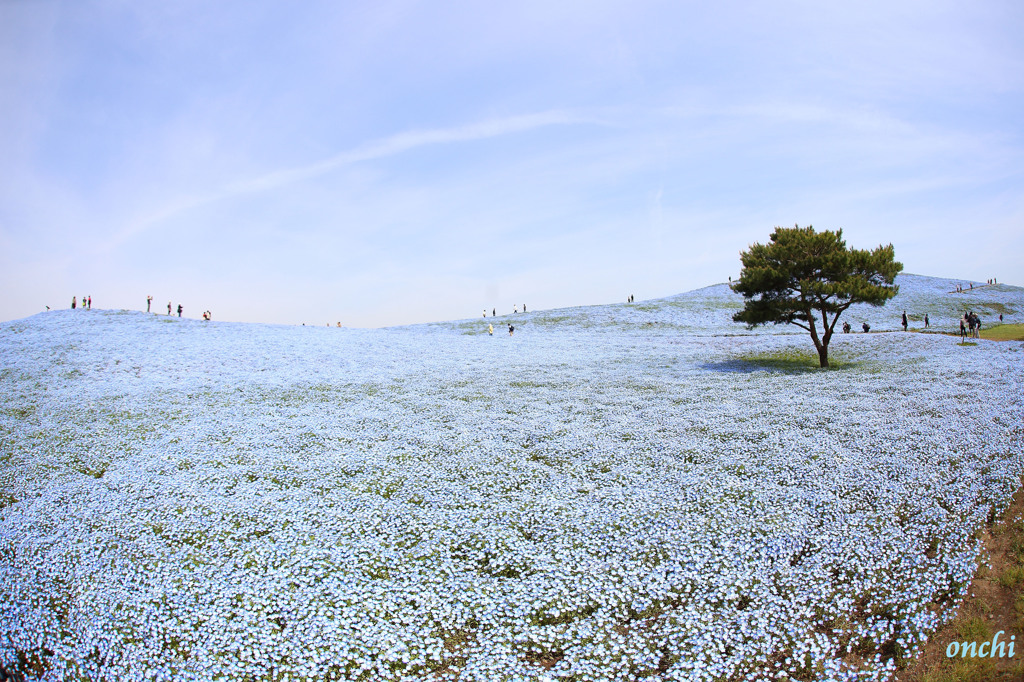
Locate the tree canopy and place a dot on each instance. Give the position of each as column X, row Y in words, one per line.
column 802, row 277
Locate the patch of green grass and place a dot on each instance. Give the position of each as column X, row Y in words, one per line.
column 965, row 670
column 528, row 384
column 1003, row 332
column 973, row 630
column 554, row 320
column 995, row 308
column 792, row 359
column 21, row 412
column 1012, row 577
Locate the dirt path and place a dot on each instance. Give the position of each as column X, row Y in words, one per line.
column 996, row 603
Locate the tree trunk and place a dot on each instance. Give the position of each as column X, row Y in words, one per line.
column 821, row 346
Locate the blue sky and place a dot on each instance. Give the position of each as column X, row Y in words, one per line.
column 397, row 162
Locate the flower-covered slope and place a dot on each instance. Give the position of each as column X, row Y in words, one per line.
column 709, row 311
column 606, row 495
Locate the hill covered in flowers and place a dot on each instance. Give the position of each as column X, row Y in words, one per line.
column 615, row 492
column 709, row 311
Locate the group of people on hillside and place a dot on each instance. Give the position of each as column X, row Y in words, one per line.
column 905, row 322
column 87, row 305
column 490, row 330
column 970, row 326
column 847, row 328
column 207, row 315
column 494, row 311
column 970, row 285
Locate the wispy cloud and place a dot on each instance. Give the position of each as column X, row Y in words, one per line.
column 375, row 149
column 402, row 142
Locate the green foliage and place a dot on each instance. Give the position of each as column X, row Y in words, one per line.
column 803, row 277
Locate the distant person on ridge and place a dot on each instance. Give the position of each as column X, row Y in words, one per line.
column 90, row 303
column 74, row 302
column 926, row 320
column 904, row 320
column 168, row 307
column 179, row 310
column 494, row 312
column 149, row 301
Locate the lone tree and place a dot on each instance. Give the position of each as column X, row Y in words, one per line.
column 803, row 276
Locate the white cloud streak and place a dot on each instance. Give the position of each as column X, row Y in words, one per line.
column 376, row 149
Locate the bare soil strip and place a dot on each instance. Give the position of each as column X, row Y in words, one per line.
column 996, row 602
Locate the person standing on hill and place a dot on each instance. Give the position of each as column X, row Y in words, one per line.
column 90, row 303
column 511, row 329
column 926, row 320
column 168, row 307
column 149, row 302
column 904, row 320
column 963, row 328
column 490, row 330
column 179, row 310
column 494, row 312
column 74, row 302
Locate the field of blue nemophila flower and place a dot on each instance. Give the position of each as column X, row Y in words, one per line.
column 618, row 492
